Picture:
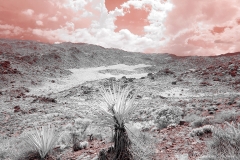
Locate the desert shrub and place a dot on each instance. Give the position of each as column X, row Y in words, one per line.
column 196, row 121
column 143, row 143
column 225, row 143
column 167, row 115
column 76, row 133
column 202, row 130
column 228, row 116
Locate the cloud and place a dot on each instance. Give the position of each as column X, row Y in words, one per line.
column 40, row 23
column 9, row 30
column 54, row 19
column 197, row 27
column 28, row 12
column 186, row 27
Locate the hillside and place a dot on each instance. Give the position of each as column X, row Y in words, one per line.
column 181, row 101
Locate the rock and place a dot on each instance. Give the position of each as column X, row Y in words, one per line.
column 212, row 108
column 112, row 79
column 211, row 112
column 167, row 71
column 174, row 83
column 182, row 122
column 192, row 70
column 233, row 73
column 131, row 79
column 216, row 79
column 162, row 97
column 138, row 97
column 150, row 75
column 124, row 78
column 62, row 147
column 204, row 83
column 238, row 71
column 154, row 129
column 17, row 109
column 95, row 158
column 83, row 145
column 237, row 104
column 146, row 98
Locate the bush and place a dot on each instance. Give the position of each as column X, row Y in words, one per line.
column 228, row 116
column 225, row 143
column 202, row 130
column 197, row 121
column 168, row 115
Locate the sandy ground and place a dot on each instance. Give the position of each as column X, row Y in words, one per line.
column 82, row 75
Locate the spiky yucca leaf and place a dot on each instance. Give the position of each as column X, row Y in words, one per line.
column 119, row 105
column 43, row 140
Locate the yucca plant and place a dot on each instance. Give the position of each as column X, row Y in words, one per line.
column 115, row 113
column 43, row 140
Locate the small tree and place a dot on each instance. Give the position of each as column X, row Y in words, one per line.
column 115, row 113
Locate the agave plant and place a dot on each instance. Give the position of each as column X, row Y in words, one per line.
column 43, row 140
column 115, row 113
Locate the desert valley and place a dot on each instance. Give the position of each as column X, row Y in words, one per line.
column 185, row 105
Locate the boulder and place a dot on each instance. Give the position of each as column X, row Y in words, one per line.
column 174, row 82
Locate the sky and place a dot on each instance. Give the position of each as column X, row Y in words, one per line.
column 180, row 27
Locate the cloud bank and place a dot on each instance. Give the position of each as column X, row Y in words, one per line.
column 186, row 27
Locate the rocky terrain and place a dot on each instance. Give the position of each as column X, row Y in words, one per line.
column 202, row 91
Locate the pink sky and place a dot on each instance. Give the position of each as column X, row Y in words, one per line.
column 181, row 27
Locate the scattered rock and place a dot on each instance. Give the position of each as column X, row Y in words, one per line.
column 83, row 145
column 216, row 79
column 17, row 109
column 174, row 83
column 192, row 70
column 204, row 83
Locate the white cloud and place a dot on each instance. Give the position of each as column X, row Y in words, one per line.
column 54, row 19
column 40, row 23
column 28, row 12
column 6, row 27
column 5, row 32
column 17, row 30
column 76, row 4
column 41, row 15
column 10, row 30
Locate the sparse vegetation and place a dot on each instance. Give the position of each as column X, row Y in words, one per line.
column 53, row 84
